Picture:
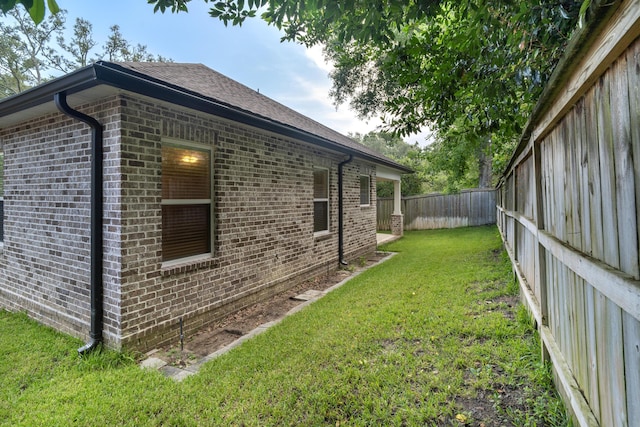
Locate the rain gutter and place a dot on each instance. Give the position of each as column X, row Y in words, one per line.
column 95, row 335
column 117, row 76
column 341, row 211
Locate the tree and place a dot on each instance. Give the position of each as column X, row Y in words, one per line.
column 385, row 143
column 30, row 53
column 470, row 69
column 457, row 157
column 117, row 48
column 26, row 49
column 12, row 77
column 310, row 21
column 395, row 148
column 80, row 45
column 472, row 74
column 36, row 8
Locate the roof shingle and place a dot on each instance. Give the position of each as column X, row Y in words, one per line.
column 208, row 83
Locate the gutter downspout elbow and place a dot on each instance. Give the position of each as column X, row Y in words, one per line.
column 341, row 212
column 97, row 210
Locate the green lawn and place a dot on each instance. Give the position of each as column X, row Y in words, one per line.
column 426, row 338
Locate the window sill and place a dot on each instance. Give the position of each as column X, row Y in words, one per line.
column 365, row 206
column 322, row 235
column 185, row 265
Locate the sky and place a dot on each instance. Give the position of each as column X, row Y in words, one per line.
column 252, row 54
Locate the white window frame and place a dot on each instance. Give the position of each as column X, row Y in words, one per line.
column 368, row 177
column 181, row 202
column 327, row 200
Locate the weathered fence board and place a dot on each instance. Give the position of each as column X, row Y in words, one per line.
column 595, row 192
column 631, row 339
column 625, row 180
column 631, row 326
column 465, row 209
column 568, row 213
column 591, row 386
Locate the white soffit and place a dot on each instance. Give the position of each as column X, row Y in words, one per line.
column 387, row 174
column 74, row 100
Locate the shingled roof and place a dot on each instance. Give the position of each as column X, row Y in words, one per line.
column 191, row 85
column 203, row 81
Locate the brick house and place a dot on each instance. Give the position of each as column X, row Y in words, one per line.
column 136, row 194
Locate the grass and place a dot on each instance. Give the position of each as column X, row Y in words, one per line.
column 426, row 338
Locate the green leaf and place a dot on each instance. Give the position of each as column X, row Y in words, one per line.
column 53, row 6
column 584, row 8
column 7, row 5
column 37, row 11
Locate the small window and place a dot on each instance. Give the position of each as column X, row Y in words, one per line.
column 320, row 200
column 186, row 202
column 365, row 190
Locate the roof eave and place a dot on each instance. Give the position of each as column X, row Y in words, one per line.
column 132, row 81
column 74, row 82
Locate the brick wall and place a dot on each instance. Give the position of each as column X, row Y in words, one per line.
column 45, row 259
column 263, row 234
column 263, row 205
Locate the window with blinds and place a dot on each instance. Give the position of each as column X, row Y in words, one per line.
column 320, row 200
column 186, row 201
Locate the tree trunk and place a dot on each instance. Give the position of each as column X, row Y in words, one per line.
column 485, row 164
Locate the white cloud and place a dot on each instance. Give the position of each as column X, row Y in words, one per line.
column 308, row 93
column 347, row 116
column 311, row 97
column 316, row 55
column 424, row 138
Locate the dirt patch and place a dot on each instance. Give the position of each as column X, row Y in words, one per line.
column 487, row 408
column 226, row 331
column 507, row 305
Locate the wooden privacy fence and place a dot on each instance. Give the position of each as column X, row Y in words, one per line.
column 467, row 208
column 568, row 213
